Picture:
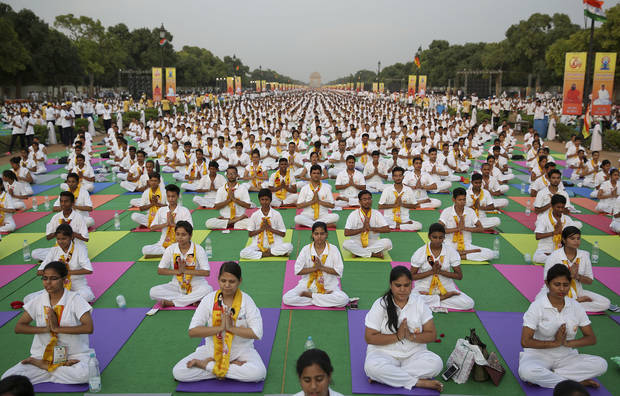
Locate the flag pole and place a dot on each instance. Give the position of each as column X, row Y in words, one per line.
column 589, row 67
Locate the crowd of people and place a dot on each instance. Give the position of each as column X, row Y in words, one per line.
column 286, row 148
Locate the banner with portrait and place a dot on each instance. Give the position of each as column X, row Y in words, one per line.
column 257, row 85
column 381, row 87
column 230, row 85
column 375, row 87
column 422, row 86
column 157, row 83
column 171, row 84
column 603, row 83
column 263, row 85
column 238, row 85
column 411, row 85
column 572, row 91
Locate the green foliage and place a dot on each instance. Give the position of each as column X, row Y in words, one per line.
column 10, row 44
column 611, row 140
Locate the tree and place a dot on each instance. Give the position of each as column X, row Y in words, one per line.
column 18, row 57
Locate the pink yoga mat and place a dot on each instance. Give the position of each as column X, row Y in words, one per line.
column 598, row 221
column 100, row 199
column 585, row 202
column 103, row 216
column 9, row 273
column 105, row 274
column 290, row 281
column 25, row 218
column 521, row 217
column 40, row 200
column 609, row 276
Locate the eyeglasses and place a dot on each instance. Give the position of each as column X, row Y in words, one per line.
column 50, row 278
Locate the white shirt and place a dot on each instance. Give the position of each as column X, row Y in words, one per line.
column 205, row 183
column 543, row 226
column 75, row 220
column 411, row 179
column 388, row 197
column 559, row 257
column 545, row 320
column 543, row 197
column 161, row 217
column 343, row 178
column 451, row 258
column 417, row 314
column 276, row 221
column 79, row 260
column 355, row 221
column 83, row 199
column 200, row 261
column 306, row 194
column 241, row 193
column 74, row 308
column 486, row 200
column 333, row 260
column 447, row 219
column 382, row 167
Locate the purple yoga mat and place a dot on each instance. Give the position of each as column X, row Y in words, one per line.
column 113, row 327
column 528, row 279
column 271, row 316
column 8, row 273
column 609, row 276
column 504, row 328
column 7, row 316
column 616, row 318
column 54, row 167
column 357, row 347
column 290, row 281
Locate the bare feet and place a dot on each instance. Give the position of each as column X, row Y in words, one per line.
column 71, row 362
column 430, row 384
column 448, row 295
column 306, row 293
column 199, row 363
column 40, row 363
column 590, row 383
column 377, row 255
column 267, row 253
column 166, row 303
column 238, row 362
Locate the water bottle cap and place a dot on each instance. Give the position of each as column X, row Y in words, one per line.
column 310, row 337
column 92, row 354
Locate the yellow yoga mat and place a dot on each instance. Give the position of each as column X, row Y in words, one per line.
column 347, row 256
column 524, row 243
column 424, row 237
column 607, row 243
column 198, row 237
column 99, row 241
column 15, row 241
column 287, row 238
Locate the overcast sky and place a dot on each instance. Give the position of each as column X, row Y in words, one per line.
column 296, row 37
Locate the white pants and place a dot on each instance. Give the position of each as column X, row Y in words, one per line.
column 503, row 188
column 84, row 291
column 252, row 252
column 483, row 255
column 253, row 370
column 51, row 133
column 374, row 187
column 351, row 202
column 8, row 226
column 615, row 225
column 204, row 201
column 547, row 368
column 489, row 222
column 308, row 221
column 433, row 204
column 189, row 186
column 605, row 207
column 461, row 301
column 122, row 176
column 180, row 176
column 293, row 297
column 135, row 202
column 76, row 374
column 153, row 250
column 129, row 186
column 412, row 226
column 500, row 203
column 506, row 177
column 90, row 222
column 442, row 186
column 140, row 218
column 172, row 292
column 291, row 199
column 40, row 253
column 382, row 367
column 333, row 172
column 452, row 177
column 215, row 223
column 167, row 169
column 374, row 246
column 598, row 304
column 19, row 204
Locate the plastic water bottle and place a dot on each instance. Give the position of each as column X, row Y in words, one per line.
column 595, row 253
column 35, row 204
column 528, row 208
column 94, row 377
column 46, row 203
column 496, row 247
column 26, row 251
column 309, row 344
column 120, row 301
column 114, row 177
column 522, row 188
column 208, row 247
column 117, row 221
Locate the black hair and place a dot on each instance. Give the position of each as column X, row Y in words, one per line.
column 199, row 150
column 350, row 157
column 316, row 167
column 265, row 192
column 553, row 172
column 10, row 174
column 141, row 152
column 214, row 164
column 557, row 198
column 185, row 225
column 397, row 169
column 16, row 385
column 59, row 267
column 231, row 167
column 605, row 162
column 282, row 159
column 155, row 174
column 569, row 232
column 416, row 158
column 64, row 229
column 457, row 192
column 319, row 224
column 549, row 164
column 73, row 175
column 231, row 267
column 255, row 151
column 436, row 227
column 570, row 388
column 16, row 160
column 476, row 176
column 314, row 356
column 388, row 298
column 557, row 271
column 362, row 193
column 67, row 194
column 432, row 150
column 173, row 188
column 375, row 152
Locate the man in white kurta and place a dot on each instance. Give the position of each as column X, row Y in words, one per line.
column 349, row 183
column 481, row 201
column 376, row 173
column 283, row 185
column 153, row 198
column 232, row 199
column 421, row 182
column 396, row 214
column 83, row 204
column 208, row 184
column 315, row 200
column 549, row 228
column 364, row 227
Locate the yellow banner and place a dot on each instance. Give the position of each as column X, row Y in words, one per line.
column 411, row 85
column 362, row 86
column 603, row 83
column 574, row 74
column 381, row 87
column 263, row 85
column 238, row 85
column 230, row 85
column 375, row 87
column 171, row 84
column 257, row 85
column 422, row 86
column 157, row 83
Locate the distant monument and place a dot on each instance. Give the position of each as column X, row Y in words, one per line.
column 315, row 80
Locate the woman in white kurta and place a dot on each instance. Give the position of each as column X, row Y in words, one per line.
column 62, row 319
column 398, row 327
column 16, row 189
column 314, row 370
column 188, row 264
column 608, row 191
column 227, row 317
column 434, row 267
column 364, row 227
column 7, row 208
column 549, row 337
column 578, row 262
column 320, row 266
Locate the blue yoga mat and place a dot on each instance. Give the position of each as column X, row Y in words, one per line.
column 101, row 186
column 39, row 188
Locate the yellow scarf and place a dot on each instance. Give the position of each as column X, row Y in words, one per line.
column 171, row 236
column 2, row 201
column 195, row 167
column 153, row 209
column 477, row 199
column 48, row 354
column 435, row 282
column 396, row 210
column 364, row 158
column 222, row 342
column 255, row 173
column 67, row 221
column 317, row 276
column 458, row 236
column 278, row 182
column 76, row 193
column 231, row 205
column 557, row 239
column 573, row 283
column 410, row 160
column 66, row 261
column 261, row 237
column 364, row 236
column 185, row 280
column 315, row 206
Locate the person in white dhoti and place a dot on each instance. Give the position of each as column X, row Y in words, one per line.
column 320, row 266
column 376, row 173
column 188, row 264
column 549, row 337
column 315, row 200
column 397, row 200
column 481, row 201
column 255, row 174
column 363, row 228
column 208, row 184
column 602, row 96
column 421, row 182
column 194, row 171
column 232, row 199
column 460, row 221
column 83, row 204
column 349, row 183
column 153, row 198
column 434, row 267
column 267, row 230
column 492, row 185
column 608, row 191
column 283, row 185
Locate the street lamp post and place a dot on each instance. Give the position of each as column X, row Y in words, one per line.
column 162, row 35
column 378, row 70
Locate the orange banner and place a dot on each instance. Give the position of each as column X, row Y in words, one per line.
column 422, row 86
column 411, row 85
column 574, row 74
column 603, row 83
column 157, row 83
column 263, row 85
column 230, row 85
column 257, row 85
column 171, row 84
